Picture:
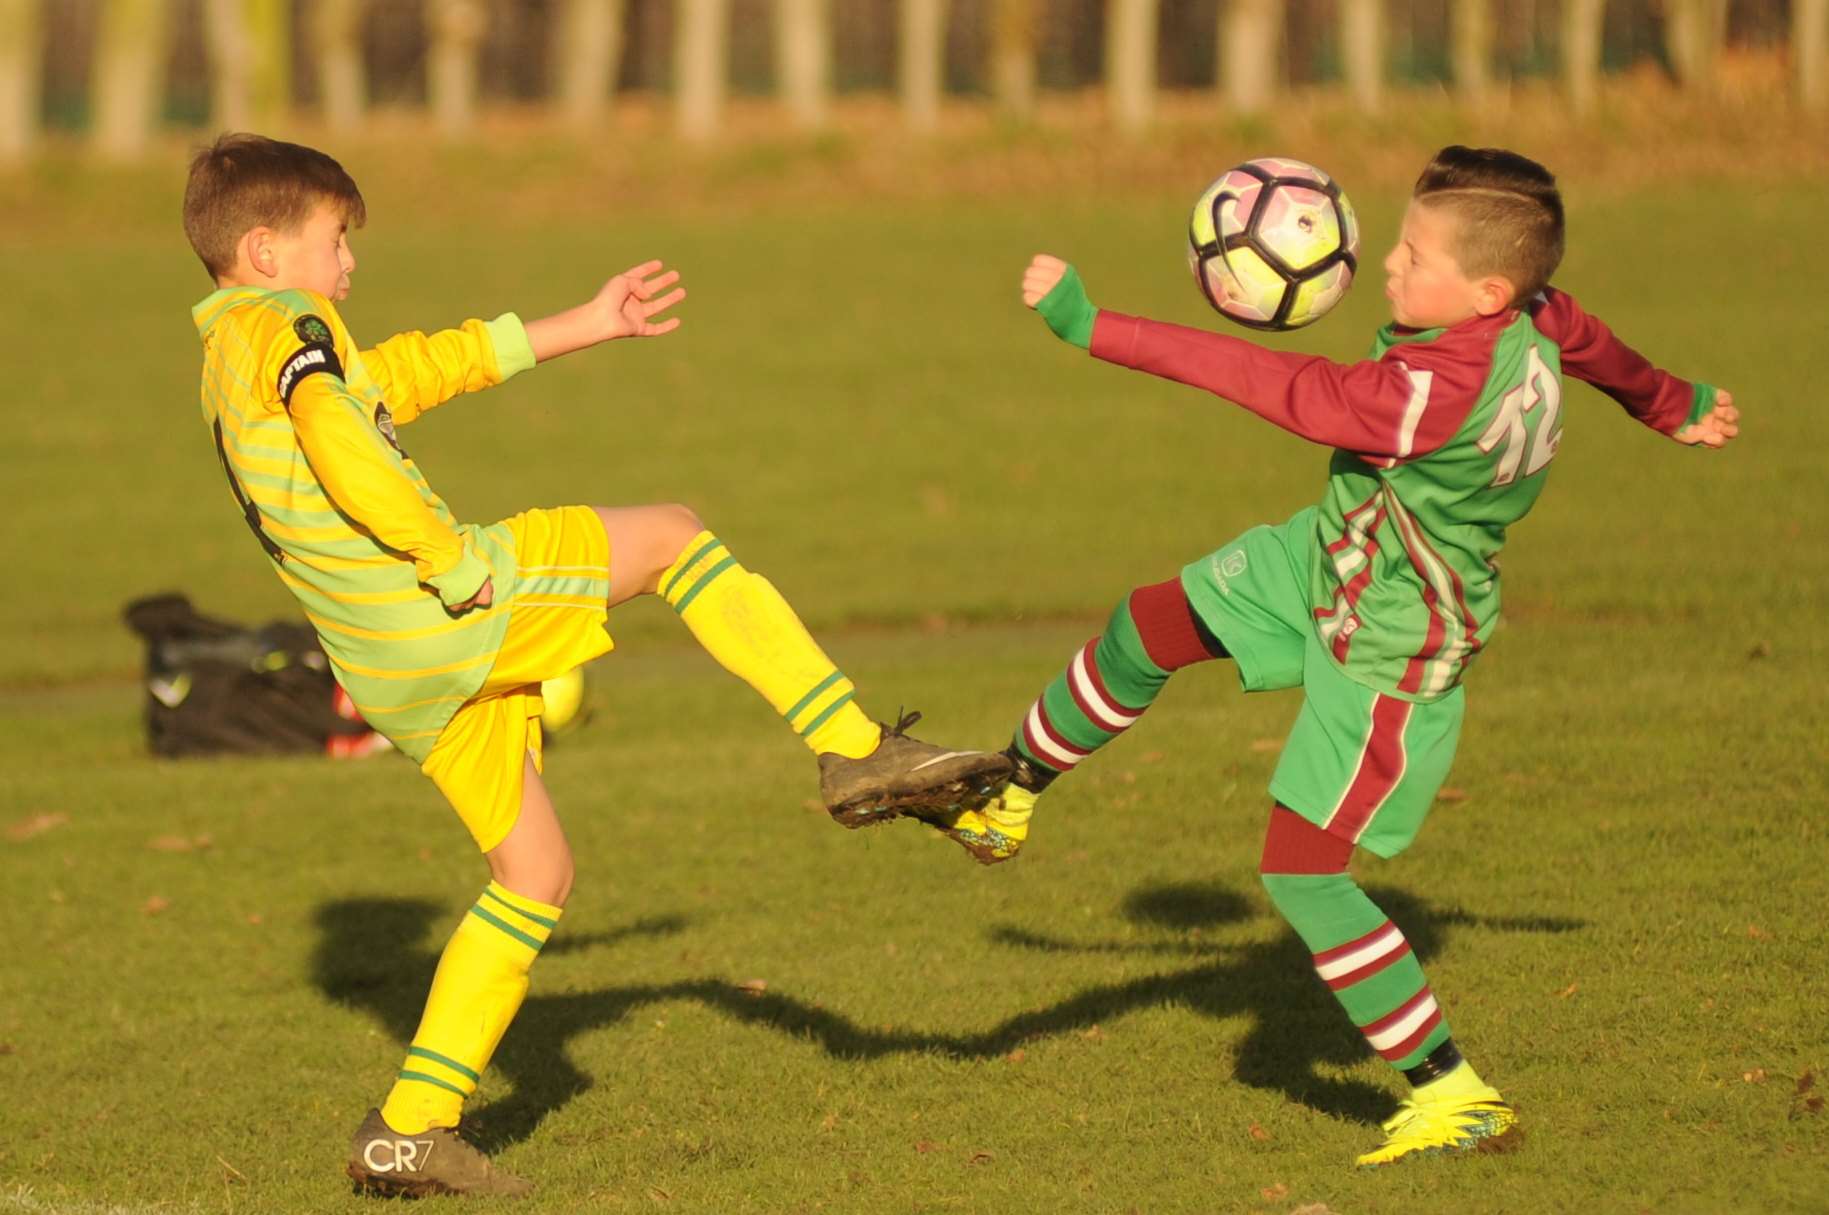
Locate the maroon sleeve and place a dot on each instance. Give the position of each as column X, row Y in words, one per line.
column 1590, row 352
column 1397, row 407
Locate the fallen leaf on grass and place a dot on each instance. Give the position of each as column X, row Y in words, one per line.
column 178, row 843
column 1449, row 793
column 235, row 1174
column 1094, row 1034
column 981, row 1157
column 1760, row 649
column 1259, row 1133
column 1757, row 933
column 1263, row 745
column 925, row 1146
column 1152, row 757
column 1568, row 991
column 1017, row 1055
column 7, row 1048
column 753, row 987
column 1802, row 1104
column 36, row 824
column 155, row 904
column 829, row 1122
column 1275, row 1192
column 658, row 1194
column 1312, row 1208
column 1756, row 1076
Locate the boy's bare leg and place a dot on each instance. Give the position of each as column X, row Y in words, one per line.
column 868, row 773
column 410, row 1146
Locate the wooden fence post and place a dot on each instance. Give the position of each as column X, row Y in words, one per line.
column 1362, row 39
column 1251, row 53
column 1581, row 29
column 21, row 72
column 129, row 69
column 1693, row 33
column 921, row 61
column 587, row 49
column 456, row 28
column 1470, row 29
column 250, row 80
column 336, row 37
column 1130, row 62
column 803, row 59
column 701, row 53
column 1013, row 31
column 1810, row 52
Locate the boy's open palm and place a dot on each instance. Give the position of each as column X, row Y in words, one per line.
column 1714, row 428
column 628, row 303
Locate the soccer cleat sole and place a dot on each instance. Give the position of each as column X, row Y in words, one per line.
column 966, row 793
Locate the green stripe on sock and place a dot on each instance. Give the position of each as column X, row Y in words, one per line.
column 538, row 919
column 446, row 1060
column 433, row 1080
column 830, row 709
column 490, row 918
column 680, row 572
column 702, row 583
column 810, row 697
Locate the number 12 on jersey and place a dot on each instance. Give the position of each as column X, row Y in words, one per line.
column 1512, row 432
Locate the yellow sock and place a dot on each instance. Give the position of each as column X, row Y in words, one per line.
column 1458, row 1084
column 744, row 623
column 481, row 979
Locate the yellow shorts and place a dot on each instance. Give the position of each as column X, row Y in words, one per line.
column 556, row 622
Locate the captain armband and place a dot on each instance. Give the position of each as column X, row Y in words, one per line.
column 310, row 360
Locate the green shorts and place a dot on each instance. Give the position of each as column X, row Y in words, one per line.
column 1360, row 764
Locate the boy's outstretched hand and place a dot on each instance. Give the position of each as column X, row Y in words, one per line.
column 624, row 307
column 1053, row 288
column 1714, row 428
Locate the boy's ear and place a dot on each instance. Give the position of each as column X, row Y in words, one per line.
column 1493, row 294
column 257, row 247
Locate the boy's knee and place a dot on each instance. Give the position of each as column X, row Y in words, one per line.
column 679, row 523
column 545, row 879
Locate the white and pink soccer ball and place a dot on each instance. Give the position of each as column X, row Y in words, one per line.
column 1273, row 243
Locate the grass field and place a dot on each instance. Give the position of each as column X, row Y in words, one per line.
column 212, row 967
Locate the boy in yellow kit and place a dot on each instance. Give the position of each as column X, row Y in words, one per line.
column 442, row 632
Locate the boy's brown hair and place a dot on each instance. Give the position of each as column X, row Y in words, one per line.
column 1508, row 213
column 244, row 181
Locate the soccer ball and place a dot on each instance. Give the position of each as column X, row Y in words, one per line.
column 563, row 701
column 1273, row 243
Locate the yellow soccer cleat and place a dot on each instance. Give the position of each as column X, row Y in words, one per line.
column 996, row 830
column 1477, row 1121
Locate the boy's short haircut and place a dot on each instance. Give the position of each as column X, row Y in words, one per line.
column 243, row 181
column 1509, row 214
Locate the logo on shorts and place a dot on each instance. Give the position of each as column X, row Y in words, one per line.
column 311, row 328
column 1233, row 563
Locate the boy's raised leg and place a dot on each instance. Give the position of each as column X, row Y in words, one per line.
column 868, row 772
column 1366, row 961
column 1105, row 689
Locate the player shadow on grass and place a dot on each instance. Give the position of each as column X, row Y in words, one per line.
column 1296, row 1027
column 378, row 955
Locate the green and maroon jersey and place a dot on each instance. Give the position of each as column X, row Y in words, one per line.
column 1442, row 438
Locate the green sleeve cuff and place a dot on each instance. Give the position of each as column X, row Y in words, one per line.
column 1704, row 400
column 1068, row 312
column 513, row 352
column 460, row 583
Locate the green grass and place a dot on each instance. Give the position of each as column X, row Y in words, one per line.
column 1622, row 909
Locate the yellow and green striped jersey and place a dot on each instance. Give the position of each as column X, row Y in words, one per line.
column 305, row 423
